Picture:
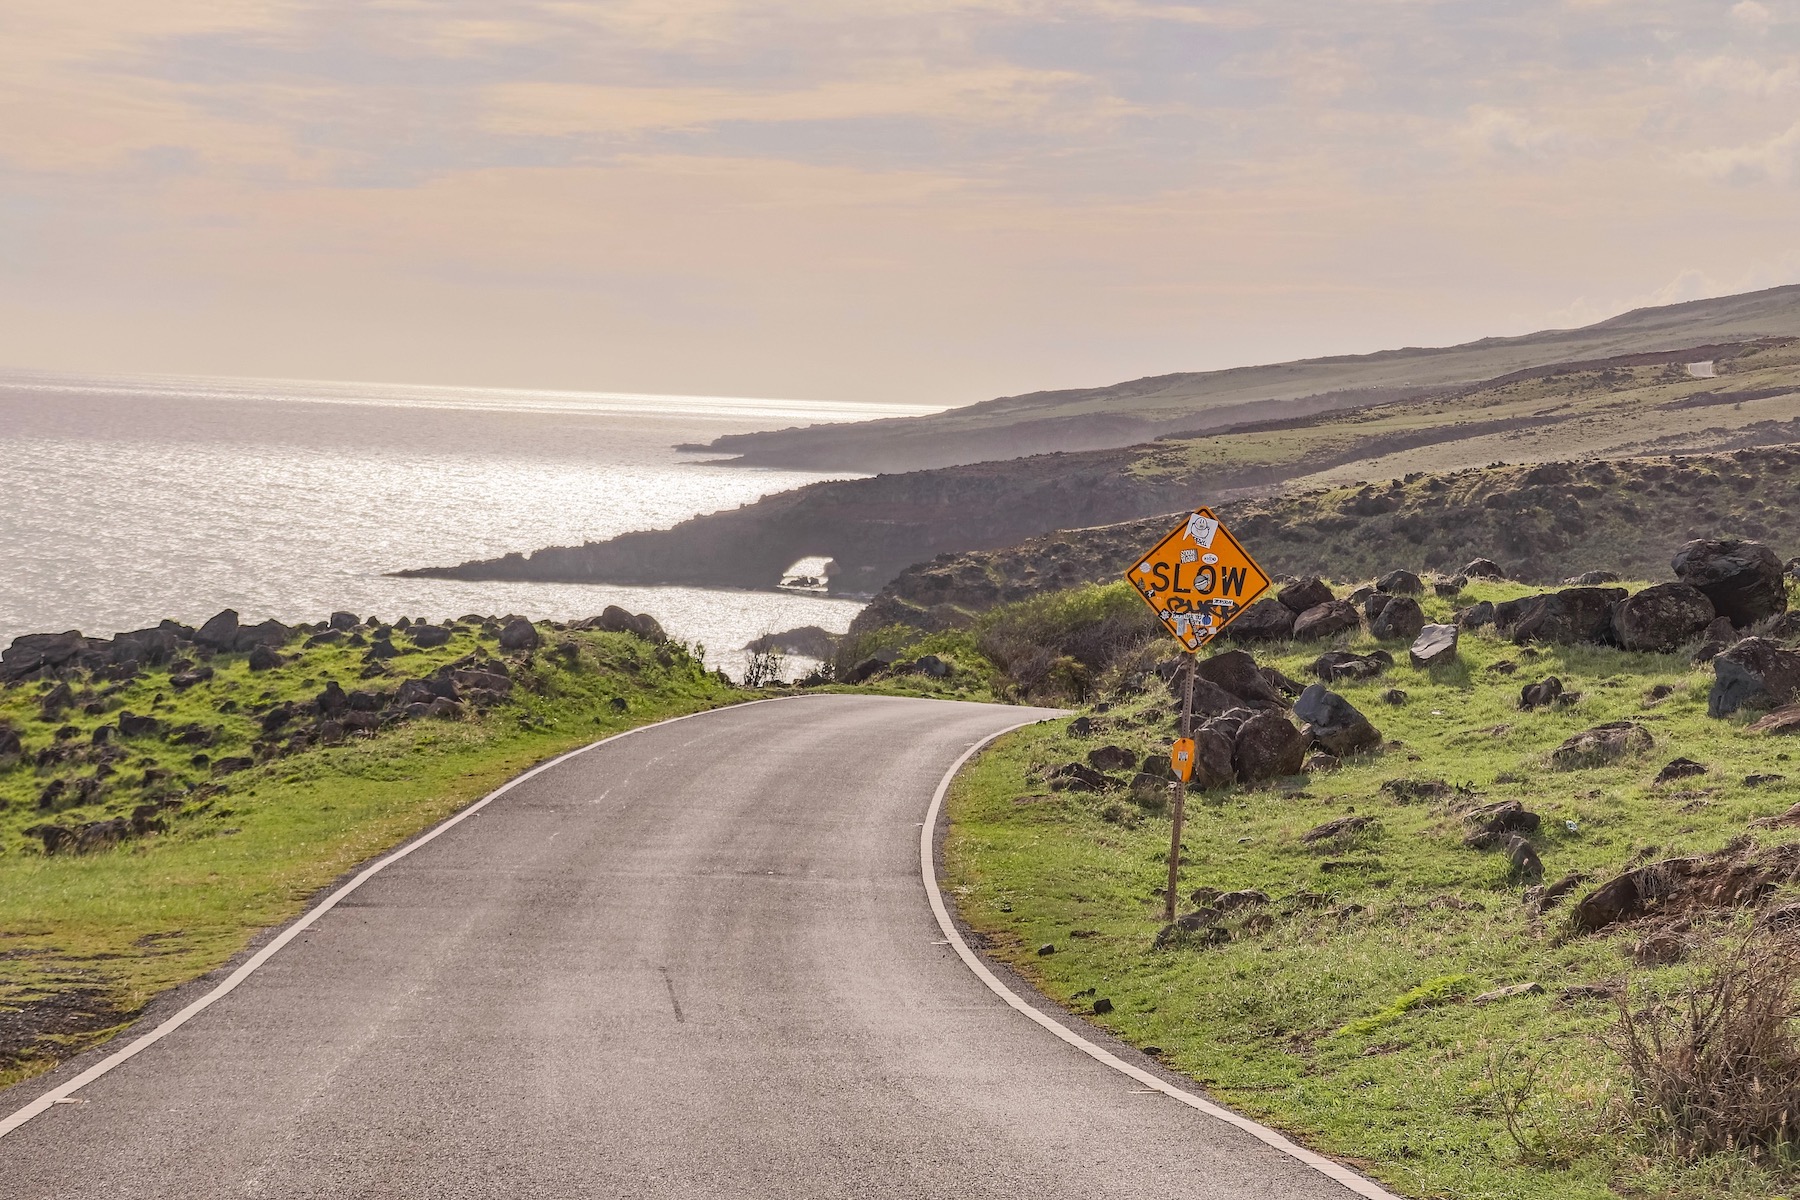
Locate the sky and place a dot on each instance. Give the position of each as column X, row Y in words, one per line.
column 931, row 201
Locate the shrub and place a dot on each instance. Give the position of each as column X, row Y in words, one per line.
column 1719, row 1070
column 1056, row 644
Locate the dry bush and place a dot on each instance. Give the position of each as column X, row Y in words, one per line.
column 1718, row 1069
column 1053, row 646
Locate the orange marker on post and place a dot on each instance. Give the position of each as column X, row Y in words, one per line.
column 1181, row 757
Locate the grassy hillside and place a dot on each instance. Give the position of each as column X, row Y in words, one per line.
column 1094, row 418
column 1380, row 987
column 242, row 795
column 1541, row 523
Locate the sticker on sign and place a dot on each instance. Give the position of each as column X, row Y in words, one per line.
column 1198, row 579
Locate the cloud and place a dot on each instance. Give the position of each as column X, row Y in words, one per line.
column 1752, row 13
column 1734, row 73
column 1509, row 134
column 1773, row 160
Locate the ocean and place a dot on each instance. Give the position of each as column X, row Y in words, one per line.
column 130, row 500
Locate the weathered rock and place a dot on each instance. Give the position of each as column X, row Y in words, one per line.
column 1755, row 673
column 219, row 633
column 1264, row 621
column 184, row 680
column 1595, row 578
column 1742, row 579
column 1399, row 620
column 1601, row 745
column 1782, row 720
column 1267, row 747
column 1662, row 617
column 1475, row 616
column 36, row 652
column 1400, row 583
column 427, row 637
column 1435, row 646
column 1236, row 673
column 1373, row 602
column 232, row 764
column 1541, row 694
column 1303, row 594
column 1394, row 696
column 1334, row 665
column 344, row 622
column 1111, row 758
column 1483, row 568
column 1524, row 859
column 1719, row 637
column 1502, row 817
column 1568, row 617
column 932, row 667
column 1680, row 768
column 1227, row 902
column 55, row 702
column 263, row 659
column 482, row 680
column 519, row 634
column 101, row 835
column 1076, row 777
column 1326, row 620
column 271, row 633
column 1333, row 723
column 1213, row 765
column 1336, row 829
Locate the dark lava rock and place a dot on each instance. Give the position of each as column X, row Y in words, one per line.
column 344, row 622
column 1373, row 603
column 1541, row 694
column 1303, row 594
column 1742, row 579
column 1475, row 616
column 1341, row 827
column 1680, row 768
column 1662, row 617
column 1394, row 696
column 1756, row 673
column 1719, row 637
column 263, row 659
column 1102, row 1006
column 232, row 764
column 1213, row 760
column 1483, row 568
column 380, row 649
column 101, row 835
column 331, row 699
column 1595, row 578
column 1601, row 745
column 1076, row 777
column 1334, row 724
column 1737, row 875
column 1504, row 817
column 1573, row 615
column 1236, row 673
column 485, row 680
column 187, row 679
column 1400, row 583
column 427, row 637
column 220, row 633
column 1264, row 621
column 933, row 667
column 1399, row 620
column 1247, row 898
column 1334, row 665
column 55, row 702
column 1524, row 859
column 1327, row 620
column 519, row 634
column 36, row 652
column 1111, row 758
column 1267, row 747
column 1081, row 727
column 1782, row 720
column 271, row 633
column 864, row 671
column 1435, row 646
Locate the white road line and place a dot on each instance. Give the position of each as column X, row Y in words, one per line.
column 60, row 1094
column 1262, row 1133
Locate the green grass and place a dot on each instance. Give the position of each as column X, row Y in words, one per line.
column 105, row 932
column 1348, row 1019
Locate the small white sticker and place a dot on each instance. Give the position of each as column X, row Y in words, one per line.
column 1211, row 560
column 1201, row 528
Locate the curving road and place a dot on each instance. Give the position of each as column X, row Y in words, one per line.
column 697, row 961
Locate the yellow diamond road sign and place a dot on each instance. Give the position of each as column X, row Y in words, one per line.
column 1198, row 579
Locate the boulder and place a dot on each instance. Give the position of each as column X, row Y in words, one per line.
column 1782, row 720
column 1400, row 583
column 331, row 699
column 1326, row 620
column 1483, row 568
column 1303, row 594
column 219, row 633
column 1399, row 620
column 263, row 659
column 1213, row 765
column 1264, row 621
column 933, row 667
column 1373, row 602
column 1236, row 673
column 1601, row 745
column 427, row 637
column 1660, row 618
column 1111, row 758
column 1076, row 777
column 1334, row 665
column 344, row 622
column 1435, row 646
column 1680, row 768
column 1594, row 578
column 519, row 634
column 271, row 633
column 1267, row 747
column 1475, row 616
column 1756, row 673
column 39, row 651
column 1541, row 694
column 1333, row 723
column 1742, row 579
column 1573, row 615
column 1719, row 637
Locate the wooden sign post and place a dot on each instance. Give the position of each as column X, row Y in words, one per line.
column 1197, row 580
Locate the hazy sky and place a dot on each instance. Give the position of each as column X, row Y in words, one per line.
column 925, row 200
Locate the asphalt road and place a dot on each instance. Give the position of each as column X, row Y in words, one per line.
column 695, row 962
